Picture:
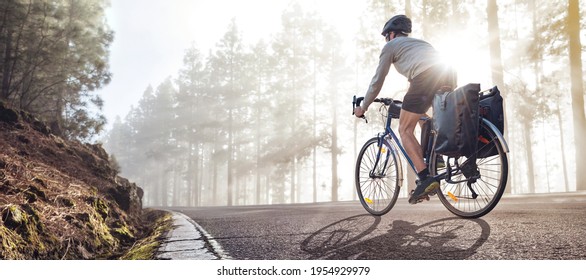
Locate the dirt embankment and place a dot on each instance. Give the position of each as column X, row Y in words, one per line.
column 61, row 199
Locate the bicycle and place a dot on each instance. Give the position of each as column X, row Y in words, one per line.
column 470, row 187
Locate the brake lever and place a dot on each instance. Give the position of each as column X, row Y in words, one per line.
column 355, row 103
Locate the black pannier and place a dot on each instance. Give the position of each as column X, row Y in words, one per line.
column 490, row 108
column 455, row 120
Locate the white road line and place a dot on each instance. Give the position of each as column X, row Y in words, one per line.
column 189, row 241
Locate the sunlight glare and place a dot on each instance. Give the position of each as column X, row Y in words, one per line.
column 470, row 62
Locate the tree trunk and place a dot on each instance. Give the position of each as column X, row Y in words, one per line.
column 293, row 177
column 200, row 174
column 258, row 156
column 6, row 73
column 496, row 62
column 544, row 133
column 537, row 74
column 334, row 149
column 267, row 187
column 189, row 172
column 195, row 175
column 155, row 188
column 577, row 87
column 176, row 171
column 300, row 182
column 314, row 125
column 314, row 173
column 529, row 154
column 258, row 185
column 163, row 189
column 563, row 149
column 237, row 191
column 215, row 182
column 230, row 158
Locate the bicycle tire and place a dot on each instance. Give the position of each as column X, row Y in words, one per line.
column 377, row 195
column 458, row 198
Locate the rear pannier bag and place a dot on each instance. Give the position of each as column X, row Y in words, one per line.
column 491, row 108
column 455, row 120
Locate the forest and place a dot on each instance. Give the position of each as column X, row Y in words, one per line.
column 270, row 122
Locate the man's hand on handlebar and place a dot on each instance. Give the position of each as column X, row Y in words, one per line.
column 359, row 112
column 356, row 109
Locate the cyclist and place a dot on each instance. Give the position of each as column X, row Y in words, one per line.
column 419, row 62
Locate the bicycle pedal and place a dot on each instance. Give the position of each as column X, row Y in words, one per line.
column 433, row 193
column 421, row 199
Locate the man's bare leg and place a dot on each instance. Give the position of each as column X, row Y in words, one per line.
column 407, row 123
column 426, row 184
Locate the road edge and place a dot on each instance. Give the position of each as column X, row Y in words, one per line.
column 187, row 240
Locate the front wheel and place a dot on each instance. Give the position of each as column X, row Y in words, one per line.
column 377, row 177
column 478, row 197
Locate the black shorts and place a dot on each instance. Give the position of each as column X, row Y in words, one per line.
column 423, row 87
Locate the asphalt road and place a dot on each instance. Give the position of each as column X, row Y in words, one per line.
column 549, row 227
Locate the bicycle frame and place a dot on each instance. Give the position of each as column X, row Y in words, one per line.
column 389, row 132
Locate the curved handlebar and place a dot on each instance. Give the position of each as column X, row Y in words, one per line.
column 386, row 101
column 357, row 100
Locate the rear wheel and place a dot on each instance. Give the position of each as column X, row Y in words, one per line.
column 475, row 198
column 377, row 177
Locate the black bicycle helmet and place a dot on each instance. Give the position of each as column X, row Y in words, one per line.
column 399, row 23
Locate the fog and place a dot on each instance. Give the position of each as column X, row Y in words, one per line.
column 234, row 104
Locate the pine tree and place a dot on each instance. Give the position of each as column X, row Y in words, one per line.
column 54, row 55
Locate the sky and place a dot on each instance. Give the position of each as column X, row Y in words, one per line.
column 151, row 37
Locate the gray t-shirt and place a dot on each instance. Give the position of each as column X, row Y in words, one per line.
column 409, row 55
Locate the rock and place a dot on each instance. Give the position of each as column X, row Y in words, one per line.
column 8, row 115
column 127, row 195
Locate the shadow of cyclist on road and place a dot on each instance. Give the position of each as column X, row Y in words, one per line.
column 339, row 234
column 449, row 238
